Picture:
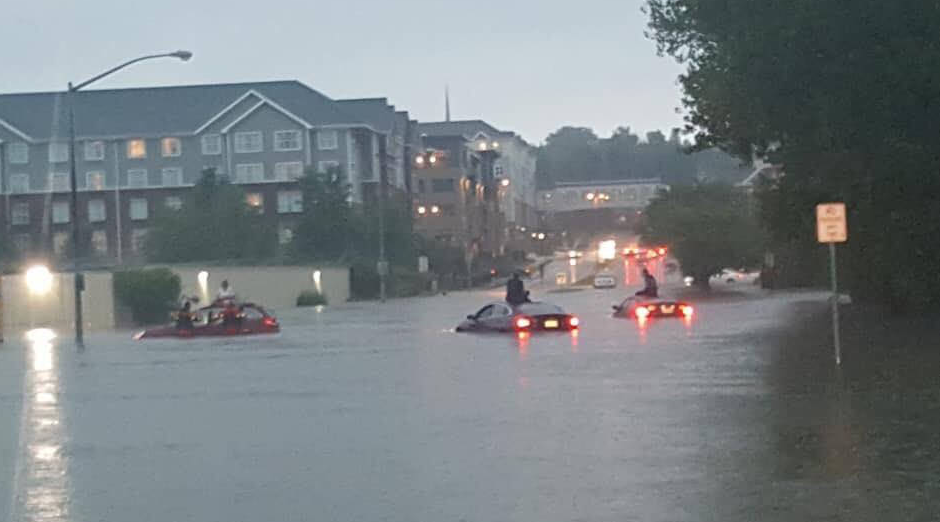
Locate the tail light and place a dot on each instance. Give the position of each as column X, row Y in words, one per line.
column 270, row 321
column 522, row 323
column 687, row 310
column 642, row 313
column 573, row 322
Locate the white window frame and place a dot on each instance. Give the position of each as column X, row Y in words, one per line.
column 58, row 152
column 17, row 214
column 241, row 148
column 60, row 182
column 138, row 172
column 215, row 148
column 99, row 234
column 130, row 143
column 290, row 202
column 325, row 165
column 60, row 241
column 18, row 180
column 281, row 172
column 138, row 240
column 331, row 144
column 100, row 212
column 174, row 171
column 104, row 180
column 243, row 167
column 94, row 150
column 18, row 153
column 58, row 218
column 135, row 203
column 172, row 153
column 174, row 203
column 298, row 136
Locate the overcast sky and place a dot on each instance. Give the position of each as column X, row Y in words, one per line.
column 525, row 65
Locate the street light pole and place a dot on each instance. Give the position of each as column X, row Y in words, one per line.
column 78, row 277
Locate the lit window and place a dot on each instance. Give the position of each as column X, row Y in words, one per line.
column 249, row 173
column 94, row 150
column 248, row 142
column 171, row 147
column 287, row 140
column 137, row 178
column 136, row 149
column 94, row 180
column 138, row 240
column 21, row 242
column 327, row 166
column 172, row 177
column 58, row 152
column 288, row 171
column 139, row 209
column 19, row 183
column 212, row 144
column 20, row 214
column 18, row 153
column 60, row 241
column 59, row 181
column 255, row 201
column 173, row 202
column 290, row 202
column 96, row 211
column 60, row 212
column 99, row 242
column 327, row 140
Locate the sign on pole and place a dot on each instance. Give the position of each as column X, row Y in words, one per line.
column 831, row 228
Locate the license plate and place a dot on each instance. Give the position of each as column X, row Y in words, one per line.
column 667, row 309
column 551, row 323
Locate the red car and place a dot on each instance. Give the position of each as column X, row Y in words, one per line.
column 210, row 321
column 636, row 307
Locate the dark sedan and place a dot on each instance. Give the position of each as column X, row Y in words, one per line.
column 527, row 317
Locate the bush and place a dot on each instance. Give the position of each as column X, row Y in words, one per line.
column 150, row 294
column 311, row 298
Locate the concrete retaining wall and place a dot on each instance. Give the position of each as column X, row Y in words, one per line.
column 23, row 309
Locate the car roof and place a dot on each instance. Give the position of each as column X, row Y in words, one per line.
column 538, row 308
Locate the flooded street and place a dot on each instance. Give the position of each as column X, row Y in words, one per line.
column 375, row 411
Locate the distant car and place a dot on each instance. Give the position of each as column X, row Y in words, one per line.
column 638, row 307
column 605, row 281
column 527, row 317
column 209, row 321
column 730, row 276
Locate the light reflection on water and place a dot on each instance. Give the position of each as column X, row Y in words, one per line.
column 41, row 479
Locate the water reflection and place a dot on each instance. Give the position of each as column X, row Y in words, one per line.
column 41, row 479
column 574, row 340
column 522, row 339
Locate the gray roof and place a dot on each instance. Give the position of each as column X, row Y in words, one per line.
column 159, row 110
column 377, row 112
column 466, row 128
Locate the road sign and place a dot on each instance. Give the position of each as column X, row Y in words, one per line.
column 830, row 223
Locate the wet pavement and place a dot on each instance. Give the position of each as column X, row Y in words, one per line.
column 375, row 411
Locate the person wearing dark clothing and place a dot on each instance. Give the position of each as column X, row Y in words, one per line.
column 184, row 317
column 515, row 291
column 650, row 288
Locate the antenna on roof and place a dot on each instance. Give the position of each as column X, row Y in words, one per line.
column 446, row 103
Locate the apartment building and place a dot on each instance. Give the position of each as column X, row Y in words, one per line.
column 140, row 149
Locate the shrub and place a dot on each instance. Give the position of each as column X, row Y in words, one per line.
column 150, row 294
column 311, row 298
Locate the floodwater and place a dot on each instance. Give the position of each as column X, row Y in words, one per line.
column 373, row 411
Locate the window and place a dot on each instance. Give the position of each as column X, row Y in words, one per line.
column 137, row 178
column 96, row 211
column 255, row 201
column 139, row 209
column 94, row 180
column 285, row 235
column 442, row 185
column 138, row 240
column 59, row 181
column 58, row 152
column 249, row 173
column 20, row 214
column 212, row 144
column 21, row 242
column 327, row 166
column 18, row 153
column 420, row 186
column 60, row 241
column 248, row 142
column 288, row 171
column 173, row 203
column 170, row 147
column 287, row 140
column 94, row 150
column 99, row 242
column 136, row 149
column 290, row 202
column 19, row 183
column 60, row 212
column 172, row 177
column 327, row 140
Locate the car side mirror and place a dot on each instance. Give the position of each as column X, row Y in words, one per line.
column 472, row 317
column 616, row 307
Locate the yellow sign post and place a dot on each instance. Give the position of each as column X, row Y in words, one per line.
column 831, row 228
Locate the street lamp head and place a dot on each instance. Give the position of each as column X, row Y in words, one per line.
column 504, row 182
column 182, row 55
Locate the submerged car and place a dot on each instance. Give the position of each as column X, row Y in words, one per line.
column 526, row 317
column 211, row 321
column 605, row 281
column 639, row 307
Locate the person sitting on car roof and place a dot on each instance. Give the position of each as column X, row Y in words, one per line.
column 515, row 290
column 650, row 288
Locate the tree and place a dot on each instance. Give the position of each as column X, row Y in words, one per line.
column 708, row 227
column 820, row 89
column 214, row 224
column 328, row 227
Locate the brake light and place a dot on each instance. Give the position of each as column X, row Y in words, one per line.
column 651, row 308
column 642, row 313
column 573, row 321
column 687, row 310
column 523, row 322
column 662, row 251
column 270, row 321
